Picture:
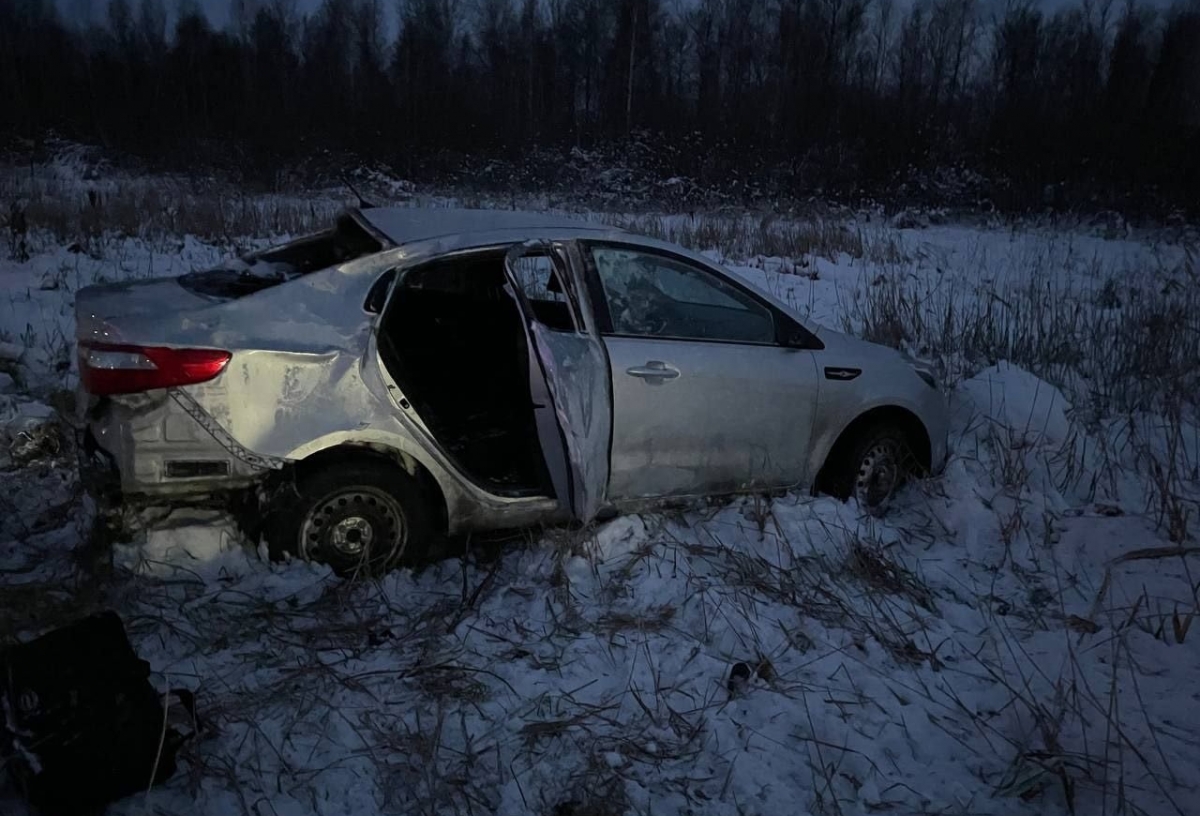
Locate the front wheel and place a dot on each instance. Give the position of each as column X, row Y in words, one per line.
column 358, row 517
column 872, row 468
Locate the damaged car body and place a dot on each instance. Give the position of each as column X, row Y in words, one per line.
column 412, row 373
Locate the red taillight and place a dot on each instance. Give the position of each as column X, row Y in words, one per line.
column 112, row 369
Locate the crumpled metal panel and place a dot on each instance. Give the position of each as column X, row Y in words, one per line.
column 276, row 402
column 577, row 375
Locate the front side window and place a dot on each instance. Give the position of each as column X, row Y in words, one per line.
column 651, row 295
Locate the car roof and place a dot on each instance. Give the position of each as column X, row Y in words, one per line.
column 406, row 225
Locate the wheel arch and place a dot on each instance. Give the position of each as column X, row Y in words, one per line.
column 906, row 420
column 346, row 451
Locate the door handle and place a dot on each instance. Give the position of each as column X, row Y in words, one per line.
column 654, row 371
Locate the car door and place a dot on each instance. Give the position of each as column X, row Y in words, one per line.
column 711, row 393
column 569, row 374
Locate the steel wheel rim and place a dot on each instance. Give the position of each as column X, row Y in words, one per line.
column 361, row 524
column 879, row 475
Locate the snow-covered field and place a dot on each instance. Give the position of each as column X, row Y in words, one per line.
column 1011, row 638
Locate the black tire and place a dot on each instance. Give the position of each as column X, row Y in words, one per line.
column 871, row 467
column 360, row 517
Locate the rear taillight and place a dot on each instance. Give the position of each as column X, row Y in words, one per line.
column 106, row 369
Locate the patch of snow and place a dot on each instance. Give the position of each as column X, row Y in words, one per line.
column 201, row 544
column 1020, row 401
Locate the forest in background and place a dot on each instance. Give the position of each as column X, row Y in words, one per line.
column 1095, row 105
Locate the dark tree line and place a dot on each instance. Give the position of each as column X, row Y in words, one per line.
column 840, row 92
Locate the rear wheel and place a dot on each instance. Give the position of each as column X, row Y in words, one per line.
column 872, row 468
column 359, row 517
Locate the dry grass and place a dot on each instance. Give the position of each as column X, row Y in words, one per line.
column 89, row 212
column 1131, row 358
column 387, row 683
column 1073, row 738
column 654, row 619
column 154, row 208
column 1124, row 355
column 1063, row 738
column 739, row 236
column 875, row 566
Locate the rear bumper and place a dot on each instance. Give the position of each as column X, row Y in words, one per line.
column 151, row 450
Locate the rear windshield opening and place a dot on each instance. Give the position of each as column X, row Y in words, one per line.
column 271, row 267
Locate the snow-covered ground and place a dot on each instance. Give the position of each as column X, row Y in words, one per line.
column 1011, row 638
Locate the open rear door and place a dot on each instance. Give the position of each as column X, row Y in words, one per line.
column 568, row 371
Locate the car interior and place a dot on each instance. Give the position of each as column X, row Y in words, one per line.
column 452, row 338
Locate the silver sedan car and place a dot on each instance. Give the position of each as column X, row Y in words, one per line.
column 409, row 374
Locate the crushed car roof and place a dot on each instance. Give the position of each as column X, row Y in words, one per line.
column 404, row 225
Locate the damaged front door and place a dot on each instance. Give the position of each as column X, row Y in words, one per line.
column 568, row 371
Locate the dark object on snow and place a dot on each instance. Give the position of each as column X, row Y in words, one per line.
column 739, row 676
column 82, row 724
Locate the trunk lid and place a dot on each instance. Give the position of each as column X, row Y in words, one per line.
column 120, row 312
